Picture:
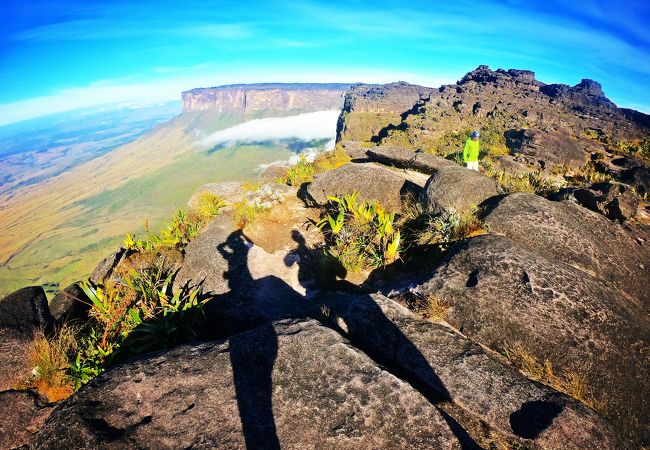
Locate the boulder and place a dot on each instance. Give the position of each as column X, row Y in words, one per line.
column 355, row 150
column 503, row 295
column 15, row 346
column 371, row 181
column 614, row 201
column 107, row 266
column 272, row 173
column 457, row 188
column 408, row 159
column 462, row 372
column 546, row 148
column 23, row 414
column 203, row 260
column 567, row 232
column 638, row 177
column 70, row 304
column 26, row 309
column 229, row 191
column 296, row 384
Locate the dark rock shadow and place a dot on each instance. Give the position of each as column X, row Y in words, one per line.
column 257, row 303
column 533, row 418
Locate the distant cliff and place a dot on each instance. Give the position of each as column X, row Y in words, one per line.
column 249, row 98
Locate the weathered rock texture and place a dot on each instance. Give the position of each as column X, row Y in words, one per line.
column 566, row 232
column 503, row 295
column 26, row 309
column 457, row 188
column 460, row 371
column 408, row 159
column 23, row 414
column 293, row 385
column 250, row 98
column 371, row 181
column 15, row 346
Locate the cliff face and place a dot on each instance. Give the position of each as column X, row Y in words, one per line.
column 249, row 98
column 370, row 108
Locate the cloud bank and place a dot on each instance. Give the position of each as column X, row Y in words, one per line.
column 316, row 125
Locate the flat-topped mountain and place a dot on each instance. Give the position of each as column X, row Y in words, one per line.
column 495, row 101
column 251, row 98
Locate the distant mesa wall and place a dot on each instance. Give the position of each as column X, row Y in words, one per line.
column 249, row 98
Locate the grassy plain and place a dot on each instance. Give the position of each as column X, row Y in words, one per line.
column 57, row 230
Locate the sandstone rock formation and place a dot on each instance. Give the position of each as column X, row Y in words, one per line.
column 247, row 99
column 566, row 232
column 23, row 414
column 294, row 384
column 408, row 159
column 459, row 371
column 457, row 188
column 371, row 181
column 26, row 309
column 614, row 201
column 503, row 295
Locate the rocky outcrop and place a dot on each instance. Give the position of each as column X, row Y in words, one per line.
column 107, row 266
column 566, row 232
column 546, row 148
column 502, row 295
column 23, row 414
column 26, row 309
column 613, row 200
column 295, row 384
column 371, row 181
column 246, row 99
column 204, row 263
column 229, row 191
column 457, row 188
column 461, row 372
column 70, row 304
column 368, row 109
column 496, row 102
column 408, row 159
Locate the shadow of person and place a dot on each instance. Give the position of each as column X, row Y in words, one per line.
column 251, row 307
column 251, row 360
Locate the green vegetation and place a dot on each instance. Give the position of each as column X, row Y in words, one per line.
column 50, row 360
column 304, row 171
column 360, row 235
column 640, row 147
column 449, row 227
column 133, row 312
column 255, row 203
column 532, row 182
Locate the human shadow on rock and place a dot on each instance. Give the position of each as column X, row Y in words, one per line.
column 247, row 314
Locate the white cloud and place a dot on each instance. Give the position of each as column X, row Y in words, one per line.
column 316, row 125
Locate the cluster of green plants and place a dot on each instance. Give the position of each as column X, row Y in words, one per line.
column 532, row 182
column 135, row 311
column 255, row 203
column 304, row 171
column 448, row 227
column 588, row 174
column 360, row 235
column 184, row 227
column 640, row 147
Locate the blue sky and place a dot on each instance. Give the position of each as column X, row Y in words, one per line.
column 58, row 55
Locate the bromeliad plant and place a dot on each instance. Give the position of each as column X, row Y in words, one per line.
column 361, row 235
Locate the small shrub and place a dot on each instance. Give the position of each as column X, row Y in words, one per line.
column 450, row 226
column 361, row 235
column 436, row 309
column 588, row 174
column 301, row 172
column 184, row 227
column 532, row 182
column 50, row 361
column 640, row 147
column 304, row 171
column 209, row 205
column 571, row 383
